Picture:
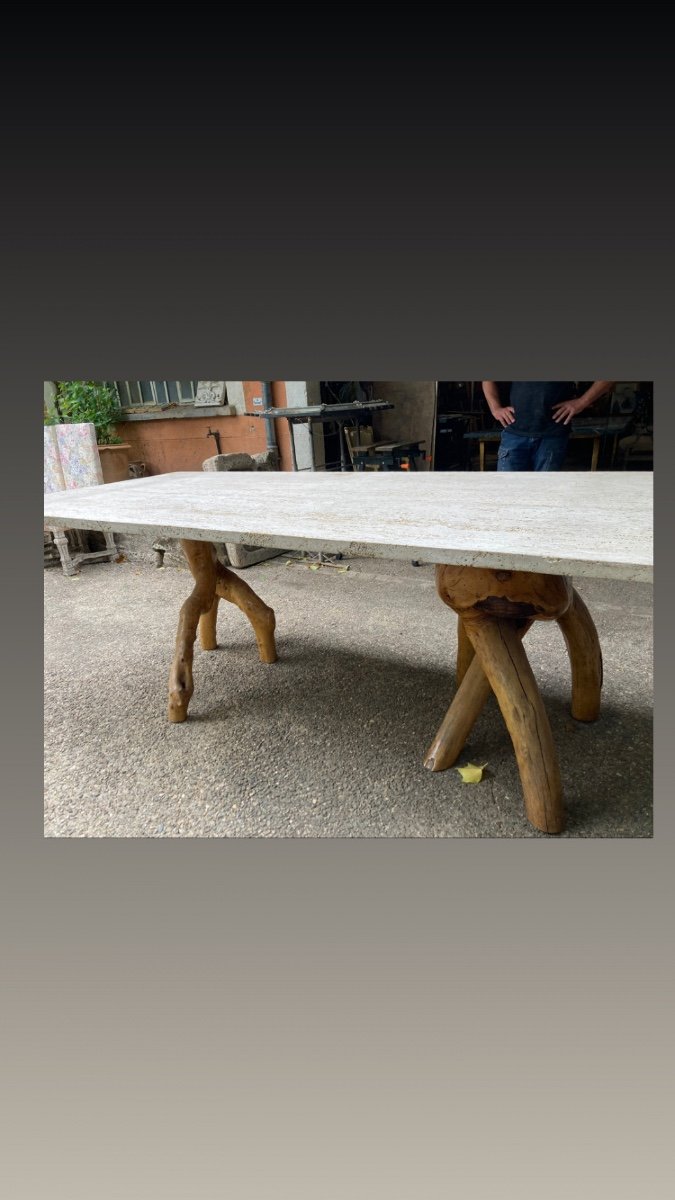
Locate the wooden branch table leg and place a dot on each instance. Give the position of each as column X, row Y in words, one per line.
column 503, row 658
column 212, row 581
column 495, row 609
column 208, row 638
column 465, row 651
column 468, row 704
column 230, row 587
column 585, row 656
column 202, row 561
column 470, row 699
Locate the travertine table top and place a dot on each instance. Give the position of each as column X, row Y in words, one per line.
column 596, row 524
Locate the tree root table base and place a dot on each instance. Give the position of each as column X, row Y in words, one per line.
column 213, row 582
column 495, row 610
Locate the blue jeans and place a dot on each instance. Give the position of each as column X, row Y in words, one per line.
column 520, row 453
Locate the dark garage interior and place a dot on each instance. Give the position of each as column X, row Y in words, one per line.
column 447, row 426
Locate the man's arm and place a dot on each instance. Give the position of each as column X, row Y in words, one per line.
column 502, row 413
column 571, row 408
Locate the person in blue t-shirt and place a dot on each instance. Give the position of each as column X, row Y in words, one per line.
column 536, row 422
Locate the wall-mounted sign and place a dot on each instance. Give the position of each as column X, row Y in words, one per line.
column 210, row 392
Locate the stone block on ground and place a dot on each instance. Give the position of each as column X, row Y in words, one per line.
column 266, row 460
column 229, row 462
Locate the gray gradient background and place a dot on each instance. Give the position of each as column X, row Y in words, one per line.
column 340, row 1020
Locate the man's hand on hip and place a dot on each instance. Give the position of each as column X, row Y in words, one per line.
column 565, row 411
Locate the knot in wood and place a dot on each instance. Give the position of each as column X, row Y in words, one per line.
column 478, row 592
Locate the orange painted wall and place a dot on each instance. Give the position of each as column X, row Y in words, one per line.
column 179, row 444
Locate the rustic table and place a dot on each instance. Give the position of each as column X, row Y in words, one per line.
column 505, row 546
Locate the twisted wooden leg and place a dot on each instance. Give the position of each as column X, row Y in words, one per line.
column 502, row 656
column 201, row 558
column 583, row 647
column 212, row 581
column 234, row 589
column 460, row 719
column 466, row 707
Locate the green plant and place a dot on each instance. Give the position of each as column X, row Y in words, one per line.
column 87, row 400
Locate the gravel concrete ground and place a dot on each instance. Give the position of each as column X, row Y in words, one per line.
column 329, row 741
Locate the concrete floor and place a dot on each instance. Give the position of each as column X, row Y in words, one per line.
column 329, row 741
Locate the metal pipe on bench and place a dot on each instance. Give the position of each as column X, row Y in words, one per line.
column 270, row 428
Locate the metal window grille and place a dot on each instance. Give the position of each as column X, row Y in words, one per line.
column 152, row 393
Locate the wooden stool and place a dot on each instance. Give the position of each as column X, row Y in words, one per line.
column 495, row 611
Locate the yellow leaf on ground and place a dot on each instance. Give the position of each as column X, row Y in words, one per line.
column 471, row 773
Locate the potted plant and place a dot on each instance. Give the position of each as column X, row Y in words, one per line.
column 88, row 400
